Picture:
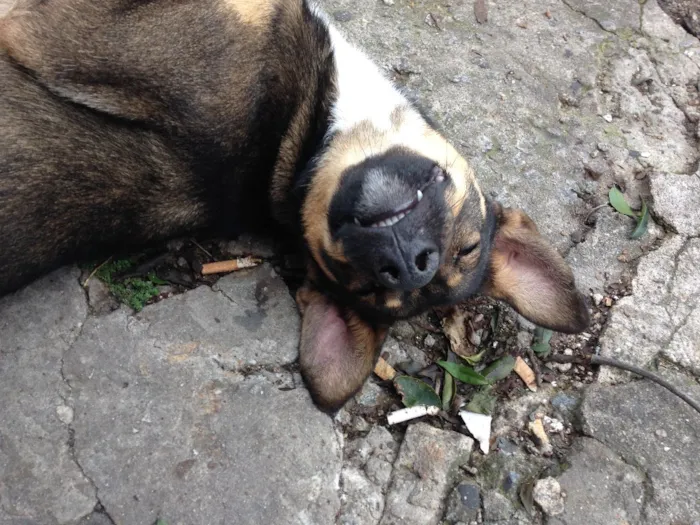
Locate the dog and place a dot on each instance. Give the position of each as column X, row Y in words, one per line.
column 129, row 122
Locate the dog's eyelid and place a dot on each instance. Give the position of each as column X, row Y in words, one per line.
column 468, row 249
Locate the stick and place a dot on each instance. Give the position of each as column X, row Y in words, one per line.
column 230, row 265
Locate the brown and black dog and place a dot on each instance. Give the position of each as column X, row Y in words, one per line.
column 127, row 122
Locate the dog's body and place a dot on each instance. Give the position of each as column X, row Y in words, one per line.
column 125, row 122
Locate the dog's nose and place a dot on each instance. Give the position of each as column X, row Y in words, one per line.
column 407, row 265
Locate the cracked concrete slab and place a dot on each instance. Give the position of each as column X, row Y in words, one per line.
column 40, row 481
column 661, row 318
column 597, row 474
column 159, row 421
column 658, row 434
column 427, row 466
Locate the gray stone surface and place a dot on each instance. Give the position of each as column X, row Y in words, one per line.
column 427, row 465
column 656, row 433
column 597, row 474
column 365, row 477
column 464, row 504
column 161, row 416
column 677, row 201
column 662, row 317
column 40, row 482
column 191, row 411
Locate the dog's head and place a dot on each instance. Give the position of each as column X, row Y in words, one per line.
column 396, row 223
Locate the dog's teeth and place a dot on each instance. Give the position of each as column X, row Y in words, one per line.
column 357, row 221
column 419, row 195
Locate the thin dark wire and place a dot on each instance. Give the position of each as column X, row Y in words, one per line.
column 600, row 360
column 607, row 361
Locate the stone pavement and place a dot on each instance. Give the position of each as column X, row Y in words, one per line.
column 192, row 411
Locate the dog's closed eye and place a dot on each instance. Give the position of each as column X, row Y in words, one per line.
column 467, row 250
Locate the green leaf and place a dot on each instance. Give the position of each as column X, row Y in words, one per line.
column 642, row 224
column 416, row 392
column 541, row 348
column 543, row 335
column 499, row 369
column 483, row 402
column 464, row 373
column 473, row 359
column 448, row 391
column 617, row 199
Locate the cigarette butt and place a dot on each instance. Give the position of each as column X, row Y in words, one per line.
column 406, row 414
column 526, row 374
column 384, row 370
column 230, row 265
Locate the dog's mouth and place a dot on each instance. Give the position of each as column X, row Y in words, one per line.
column 391, row 217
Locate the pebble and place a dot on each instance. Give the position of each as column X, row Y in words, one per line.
column 429, row 341
column 65, row 414
column 661, row 433
column 608, row 117
column 388, row 2
column 343, row 16
column 598, row 298
column 547, row 494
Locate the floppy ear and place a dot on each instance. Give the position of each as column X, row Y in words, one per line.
column 337, row 350
column 67, row 47
column 529, row 274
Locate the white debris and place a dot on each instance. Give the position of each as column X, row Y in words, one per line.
column 547, row 494
column 406, row 414
column 608, row 117
column 65, row 414
column 478, row 426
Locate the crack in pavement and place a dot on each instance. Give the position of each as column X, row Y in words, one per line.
column 586, row 15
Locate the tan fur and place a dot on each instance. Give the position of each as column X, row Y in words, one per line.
column 257, row 13
column 528, row 273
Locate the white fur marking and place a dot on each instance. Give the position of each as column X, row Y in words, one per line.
column 364, row 93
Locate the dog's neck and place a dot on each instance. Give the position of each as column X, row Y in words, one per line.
column 351, row 90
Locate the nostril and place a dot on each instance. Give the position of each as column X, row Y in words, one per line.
column 422, row 260
column 390, row 272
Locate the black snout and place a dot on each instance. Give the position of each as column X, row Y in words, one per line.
column 390, row 215
column 406, row 265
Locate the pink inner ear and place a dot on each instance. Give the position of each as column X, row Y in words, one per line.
column 327, row 332
column 531, row 272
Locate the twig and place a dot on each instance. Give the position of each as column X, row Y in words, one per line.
column 535, row 367
column 585, row 221
column 202, row 248
column 95, row 271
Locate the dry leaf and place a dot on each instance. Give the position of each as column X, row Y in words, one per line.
column 526, row 374
column 384, row 370
column 454, row 327
column 481, row 11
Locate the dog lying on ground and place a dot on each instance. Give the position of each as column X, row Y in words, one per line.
column 128, row 122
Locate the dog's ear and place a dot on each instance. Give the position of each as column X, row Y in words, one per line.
column 337, row 350
column 529, row 274
column 73, row 50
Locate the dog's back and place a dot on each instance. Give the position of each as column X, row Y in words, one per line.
column 115, row 132
column 71, row 178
